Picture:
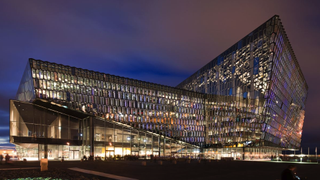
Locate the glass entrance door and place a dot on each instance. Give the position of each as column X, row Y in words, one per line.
column 74, row 155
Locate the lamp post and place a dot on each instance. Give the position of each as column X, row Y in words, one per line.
column 301, row 155
column 316, row 154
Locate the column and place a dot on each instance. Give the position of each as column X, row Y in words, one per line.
column 91, row 135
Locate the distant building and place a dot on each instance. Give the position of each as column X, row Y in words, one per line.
column 247, row 103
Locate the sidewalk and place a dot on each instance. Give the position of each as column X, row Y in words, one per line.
column 240, row 170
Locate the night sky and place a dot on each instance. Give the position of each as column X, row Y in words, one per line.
column 157, row 41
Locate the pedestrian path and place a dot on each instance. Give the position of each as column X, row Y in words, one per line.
column 283, row 162
column 5, row 169
column 112, row 176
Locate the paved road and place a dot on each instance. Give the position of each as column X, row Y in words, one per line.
column 236, row 170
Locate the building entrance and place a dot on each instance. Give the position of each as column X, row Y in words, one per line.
column 74, row 154
column 109, row 153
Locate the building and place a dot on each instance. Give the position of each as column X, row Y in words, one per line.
column 63, row 111
column 260, row 91
column 248, row 102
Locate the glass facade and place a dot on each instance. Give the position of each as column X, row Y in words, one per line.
column 42, row 132
column 170, row 111
column 260, row 91
column 247, row 100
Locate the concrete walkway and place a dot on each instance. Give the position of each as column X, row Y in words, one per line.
column 101, row 174
column 5, row 169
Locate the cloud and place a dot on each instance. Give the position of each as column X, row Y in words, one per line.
column 4, row 141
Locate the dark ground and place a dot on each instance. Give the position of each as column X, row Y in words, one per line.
column 235, row 170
